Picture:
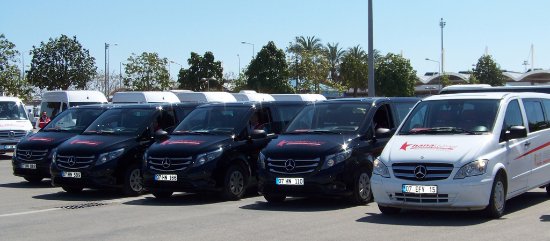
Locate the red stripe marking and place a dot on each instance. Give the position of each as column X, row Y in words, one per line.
column 534, row 150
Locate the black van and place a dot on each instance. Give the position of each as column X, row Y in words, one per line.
column 329, row 147
column 215, row 148
column 108, row 153
column 33, row 155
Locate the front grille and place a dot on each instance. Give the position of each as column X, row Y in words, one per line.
column 12, row 136
column 292, row 166
column 31, row 155
column 169, row 164
column 433, row 171
column 75, row 162
column 422, row 198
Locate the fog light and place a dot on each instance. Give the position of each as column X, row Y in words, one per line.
column 330, row 162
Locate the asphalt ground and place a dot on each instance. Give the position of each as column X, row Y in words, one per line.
column 42, row 212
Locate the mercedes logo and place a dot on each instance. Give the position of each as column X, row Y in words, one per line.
column 166, row 162
column 420, row 172
column 71, row 161
column 28, row 154
column 290, row 165
column 11, row 134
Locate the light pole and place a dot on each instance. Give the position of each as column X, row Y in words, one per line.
column 173, row 62
column 253, row 52
column 438, row 64
column 107, row 68
column 442, row 25
column 371, row 90
column 238, row 56
column 207, row 80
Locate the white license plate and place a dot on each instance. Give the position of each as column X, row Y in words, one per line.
column 28, row 166
column 289, row 181
column 420, row 189
column 71, row 174
column 166, row 177
column 8, row 147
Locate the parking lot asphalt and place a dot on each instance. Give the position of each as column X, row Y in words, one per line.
column 42, row 212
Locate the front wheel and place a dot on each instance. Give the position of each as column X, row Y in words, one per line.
column 133, row 183
column 497, row 200
column 33, row 180
column 235, row 183
column 362, row 193
column 548, row 189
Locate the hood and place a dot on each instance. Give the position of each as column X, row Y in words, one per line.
column 44, row 140
column 188, row 145
column 306, row 145
column 89, row 145
column 435, row 148
column 10, row 125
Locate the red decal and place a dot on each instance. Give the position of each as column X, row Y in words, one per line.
column 89, row 143
column 434, row 147
column 40, row 139
column 300, row 143
column 182, row 142
column 534, row 150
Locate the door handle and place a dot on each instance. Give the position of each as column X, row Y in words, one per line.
column 527, row 143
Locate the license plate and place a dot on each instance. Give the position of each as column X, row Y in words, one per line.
column 166, row 177
column 28, row 166
column 71, row 174
column 8, row 147
column 289, row 181
column 420, row 189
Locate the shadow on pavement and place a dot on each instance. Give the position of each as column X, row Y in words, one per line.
column 85, row 195
column 24, row 184
column 179, row 199
column 5, row 157
column 455, row 218
column 301, row 205
column 545, row 218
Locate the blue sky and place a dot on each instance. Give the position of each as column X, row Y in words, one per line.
column 175, row 28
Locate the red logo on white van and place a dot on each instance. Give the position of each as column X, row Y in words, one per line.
column 299, row 143
column 433, row 147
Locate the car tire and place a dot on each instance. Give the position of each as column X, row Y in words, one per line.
column 34, row 180
column 235, row 183
column 497, row 200
column 548, row 189
column 162, row 194
column 361, row 187
column 389, row 210
column 274, row 198
column 133, row 181
column 72, row 190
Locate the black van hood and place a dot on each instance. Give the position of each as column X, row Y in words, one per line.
column 188, row 145
column 44, row 140
column 88, row 145
column 306, row 145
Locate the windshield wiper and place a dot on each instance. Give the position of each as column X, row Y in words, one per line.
column 438, row 130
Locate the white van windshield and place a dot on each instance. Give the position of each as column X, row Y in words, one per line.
column 457, row 116
column 11, row 110
column 330, row 118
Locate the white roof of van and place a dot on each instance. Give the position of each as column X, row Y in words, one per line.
column 75, row 96
column 145, row 97
column 487, row 95
column 252, row 96
column 298, row 97
column 206, row 97
column 6, row 98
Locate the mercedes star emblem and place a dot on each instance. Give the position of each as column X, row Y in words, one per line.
column 11, row 134
column 71, row 161
column 420, row 172
column 166, row 162
column 28, row 154
column 290, row 164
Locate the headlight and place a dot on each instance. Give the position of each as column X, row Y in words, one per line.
column 54, row 155
column 108, row 156
column 474, row 168
column 332, row 160
column 206, row 157
column 379, row 168
column 261, row 161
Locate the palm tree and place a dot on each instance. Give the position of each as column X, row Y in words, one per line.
column 357, row 52
column 310, row 43
column 334, row 55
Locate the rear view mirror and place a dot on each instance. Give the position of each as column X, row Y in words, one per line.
column 383, row 133
column 515, row 132
column 258, row 134
column 161, row 135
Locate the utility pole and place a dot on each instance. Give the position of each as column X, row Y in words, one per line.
column 371, row 54
column 442, row 25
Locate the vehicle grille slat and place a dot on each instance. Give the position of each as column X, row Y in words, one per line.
column 300, row 166
column 422, row 198
column 169, row 164
column 434, row 171
column 79, row 162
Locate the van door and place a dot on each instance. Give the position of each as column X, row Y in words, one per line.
column 517, row 163
column 538, row 136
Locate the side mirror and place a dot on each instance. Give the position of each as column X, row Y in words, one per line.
column 383, row 133
column 160, row 135
column 258, row 134
column 515, row 132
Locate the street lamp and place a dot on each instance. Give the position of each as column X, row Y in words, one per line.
column 107, row 68
column 253, row 52
column 238, row 56
column 173, row 62
column 207, row 80
column 435, row 61
column 442, row 25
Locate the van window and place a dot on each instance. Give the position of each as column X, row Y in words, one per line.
column 535, row 115
column 73, row 120
column 513, row 116
column 340, row 117
column 51, row 108
column 382, row 118
column 181, row 113
column 402, row 109
column 11, row 110
column 215, row 119
column 285, row 113
column 121, row 122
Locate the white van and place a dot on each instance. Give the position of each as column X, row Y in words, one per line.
column 298, row 97
column 54, row 102
column 470, row 151
column 251, row 95
column 144, row 97
column 202, row 97
column 14, row 123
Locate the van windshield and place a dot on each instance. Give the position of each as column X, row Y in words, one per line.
column 73, row 120
column 450, row 117
column 124, row 121
column 11, row 110
column 329, row 118
column 213, row 120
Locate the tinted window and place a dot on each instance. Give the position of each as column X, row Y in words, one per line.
column 340, row 117
column 11, row 110
column 402, row 109
column 51, row 108
column 513, row 115
column 214, row 119
column 73, row 120
column 181, row 113
column 535, row 115
column 121, row 122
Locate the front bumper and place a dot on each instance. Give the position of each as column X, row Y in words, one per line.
column 192, row 179
column 42, row 168
column 471, row 193
column 102, row 176
column 7, row 146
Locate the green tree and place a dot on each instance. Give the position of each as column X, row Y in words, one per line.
column 11, row 81
column 203, row 73
column 444, row 80
column 61, row 63
column 354, row 69
column 268, row 72
column 311, row 65
column 335, row 55
column 395, row 76
column 310, row 43
column 146, row 72
column 487, row 71
column 472, row 79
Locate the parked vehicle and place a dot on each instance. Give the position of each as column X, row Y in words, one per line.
column 453, row 89
column 215, row 148
column 108, row 153
column 32, row 156
column 329, row 147
column 141, row 97
column 14, row 123
column 54, row 102
column 468, row 151
column 251, row 95
column 204, row 97
column 298, row 97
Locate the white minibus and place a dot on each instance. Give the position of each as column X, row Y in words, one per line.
column 137, row 97
column 298, row 97
column 203, row 97
column 251, row 95
column 54, row 102
column 14, row 123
